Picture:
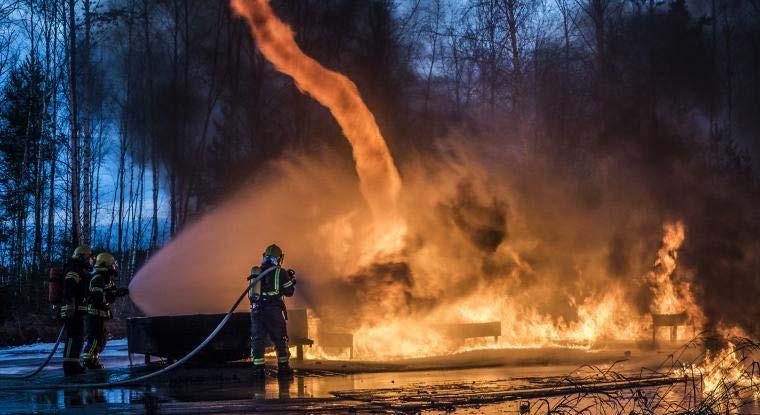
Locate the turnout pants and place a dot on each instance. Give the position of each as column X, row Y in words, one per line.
column 72, row 345
column 96, row 338
column 268, row 319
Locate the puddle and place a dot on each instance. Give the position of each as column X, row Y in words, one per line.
column 396, row 388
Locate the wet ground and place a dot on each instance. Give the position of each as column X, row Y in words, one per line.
column 479, row 382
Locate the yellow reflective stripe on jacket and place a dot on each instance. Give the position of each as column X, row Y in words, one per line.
column 69, row 308
column 73, row 275
column 287, row 284
column 94, row 287
column 101, row 313
column 256, row 289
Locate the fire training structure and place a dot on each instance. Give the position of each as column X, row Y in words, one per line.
column 172, row 337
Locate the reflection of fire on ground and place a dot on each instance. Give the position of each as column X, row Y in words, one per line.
column 390, row 266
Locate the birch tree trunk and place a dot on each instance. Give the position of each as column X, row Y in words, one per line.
column 76, row 230
column 87, row 130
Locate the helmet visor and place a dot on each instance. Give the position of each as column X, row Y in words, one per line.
column 268, row 259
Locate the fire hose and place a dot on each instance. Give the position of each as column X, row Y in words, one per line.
column 147, row 376
column 42, row 366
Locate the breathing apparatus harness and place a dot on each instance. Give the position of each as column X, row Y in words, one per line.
column 55, row 297
column 138, row 379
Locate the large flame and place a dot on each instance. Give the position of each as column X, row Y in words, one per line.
column 727, row 374
column 667, row 299
column 380, row 182
column 436, row 255
column 672, row 295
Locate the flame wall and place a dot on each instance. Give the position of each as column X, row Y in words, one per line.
column 472, row 251
column 475, row 238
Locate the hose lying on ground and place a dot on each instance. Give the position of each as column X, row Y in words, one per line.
column 42, row 366
column 147, row 376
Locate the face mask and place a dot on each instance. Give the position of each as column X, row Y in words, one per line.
column 271, row 260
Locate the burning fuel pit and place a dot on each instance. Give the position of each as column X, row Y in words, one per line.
column 471, row 330
column 453, row 332
column 172, row 337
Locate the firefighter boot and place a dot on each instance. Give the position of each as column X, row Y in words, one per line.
column 91, row 359
column 71, row 351
column 73, row 368
column 93, row 364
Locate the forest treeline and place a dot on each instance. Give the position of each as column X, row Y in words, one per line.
column 123, row 120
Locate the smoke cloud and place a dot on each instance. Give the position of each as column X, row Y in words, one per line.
column 546, row 256
column 558, row 249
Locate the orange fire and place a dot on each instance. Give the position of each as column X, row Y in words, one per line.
column 726, row 374
column 672, row 295
column 380, row 181
column 601, row 319
column 721, row 369
column 666, row 299
column 432, row 240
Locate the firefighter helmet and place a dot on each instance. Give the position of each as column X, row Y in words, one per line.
column 274, row 251
column 273, row 255
column 104, row 260
column 82, row 251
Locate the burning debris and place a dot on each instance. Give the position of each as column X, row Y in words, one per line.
column 686, row 383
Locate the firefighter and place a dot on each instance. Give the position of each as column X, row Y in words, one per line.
column 102, row 293
column 268, row 313
column 75, row 290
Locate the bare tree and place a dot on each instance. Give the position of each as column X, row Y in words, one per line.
column 434, row 20
column 87, row 127
column 55, row 80
column 567, row 18
column 515, row 15
column 8, row 54
column 490, row 47
column 76, row 229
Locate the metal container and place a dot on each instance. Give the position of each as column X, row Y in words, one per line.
column 172, row 337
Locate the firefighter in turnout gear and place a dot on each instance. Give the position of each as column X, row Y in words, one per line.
column 268, row 313
column 102, row 293
column 75, row 290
